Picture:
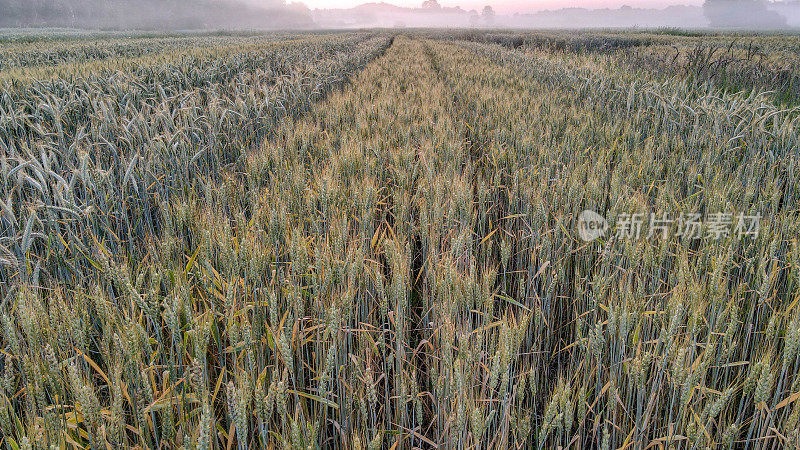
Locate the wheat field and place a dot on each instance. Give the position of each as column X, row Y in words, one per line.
column 371, row 240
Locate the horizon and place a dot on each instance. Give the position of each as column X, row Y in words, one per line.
column 508, row 6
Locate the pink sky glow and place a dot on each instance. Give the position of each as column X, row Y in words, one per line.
column 512, row 6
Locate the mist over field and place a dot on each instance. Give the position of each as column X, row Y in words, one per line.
column 276, row 14
column 726, row 14
column 152, row 14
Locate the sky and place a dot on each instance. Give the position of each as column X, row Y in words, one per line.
column 511, row 6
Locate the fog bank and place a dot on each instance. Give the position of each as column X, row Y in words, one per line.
column 722, row 14
column 151, row 14
column 275, row 14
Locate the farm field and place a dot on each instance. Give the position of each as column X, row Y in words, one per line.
column 376, row 239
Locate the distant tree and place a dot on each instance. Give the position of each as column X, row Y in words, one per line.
column 488, row 14
column 742, row 14
column 299, row 7
column 431, row 4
